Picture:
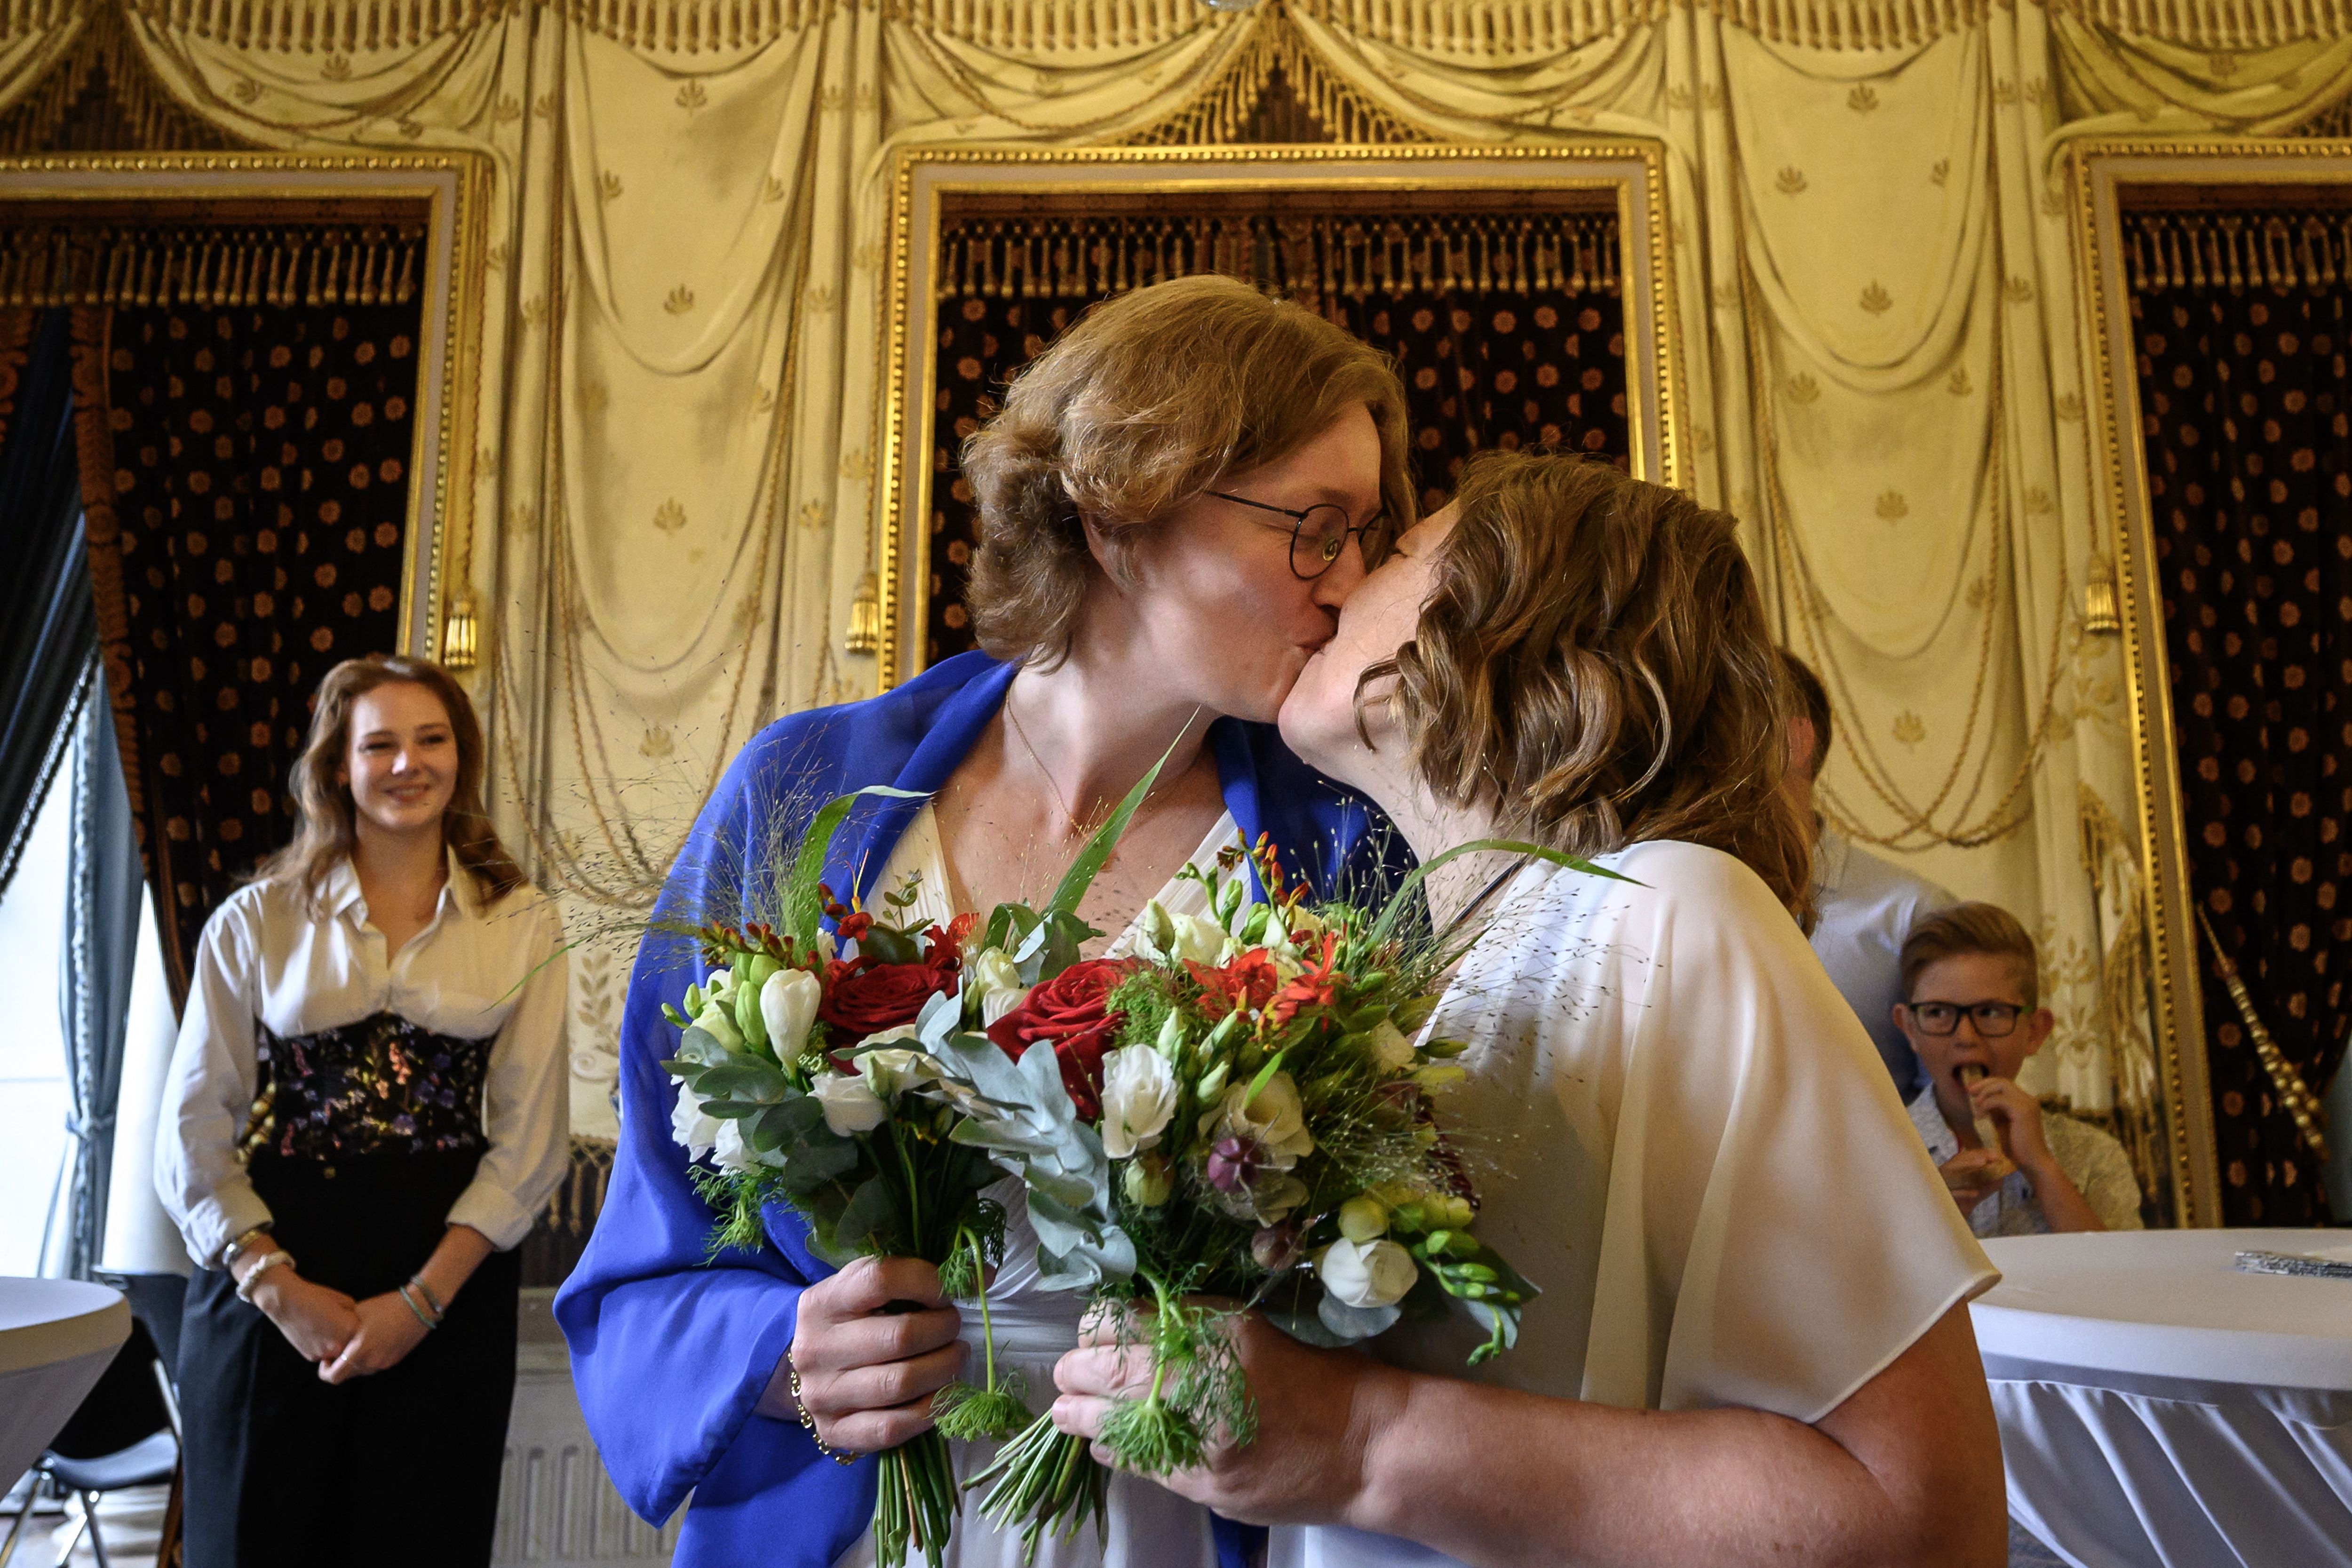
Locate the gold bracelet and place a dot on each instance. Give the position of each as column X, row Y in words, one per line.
column 808, row 1422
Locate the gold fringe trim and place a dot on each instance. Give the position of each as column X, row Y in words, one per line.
column 95, row 264
column 1299, row 257
column 1496, row 29
column 2225, row 27
column 2109, row 860
column 2239, row 250
column 1223, row 112
column 20, row 18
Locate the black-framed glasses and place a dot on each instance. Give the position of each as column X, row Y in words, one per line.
column 1317, row 535
column 1992, row 1019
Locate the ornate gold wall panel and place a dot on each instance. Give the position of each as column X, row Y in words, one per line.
column 2115, row 184
column 1625, row 179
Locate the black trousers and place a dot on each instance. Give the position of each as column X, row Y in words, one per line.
column 400, row 1469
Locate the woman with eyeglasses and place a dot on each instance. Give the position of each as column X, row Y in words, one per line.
column 1174, row 501
column 1973, row 1011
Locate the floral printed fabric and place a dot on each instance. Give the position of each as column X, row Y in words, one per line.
column 380, row 1086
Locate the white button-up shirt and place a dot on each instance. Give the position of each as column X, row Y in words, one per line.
column 1866, row 908
column 478, row 970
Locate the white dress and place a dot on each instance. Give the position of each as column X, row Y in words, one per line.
column 1682, row 1133
column 1148, row 1526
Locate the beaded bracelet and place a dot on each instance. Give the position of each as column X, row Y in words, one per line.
column 253, row 1277
column 808, row 1422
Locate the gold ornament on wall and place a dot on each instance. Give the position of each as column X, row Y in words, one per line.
column 1876, row 299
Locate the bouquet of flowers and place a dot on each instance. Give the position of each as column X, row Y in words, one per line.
column 1239, row 1111
column 1270, row 1123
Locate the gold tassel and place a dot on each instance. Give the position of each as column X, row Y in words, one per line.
column 2310, row 1117
column 460, row 639
column 865, row 634
column 2101, row 614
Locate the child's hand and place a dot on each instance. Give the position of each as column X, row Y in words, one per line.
column 1973, row 1176
column 2018, row 1117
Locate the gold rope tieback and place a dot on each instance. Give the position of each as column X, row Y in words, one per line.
column 2310, row 1116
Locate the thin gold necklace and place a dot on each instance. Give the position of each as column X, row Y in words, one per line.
column 1078, row 828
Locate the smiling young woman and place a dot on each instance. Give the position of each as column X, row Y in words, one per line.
column 365, row 1112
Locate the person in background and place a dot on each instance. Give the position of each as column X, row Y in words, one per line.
column 1863, row 905
column 1972, row 1011
column 365, row 1112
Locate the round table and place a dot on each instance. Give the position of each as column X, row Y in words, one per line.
column 56, row 1337
column 2158, row 1406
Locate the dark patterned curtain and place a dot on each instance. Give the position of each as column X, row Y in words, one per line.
column 2248, row 422
column 246, row 433
column 1507, row 329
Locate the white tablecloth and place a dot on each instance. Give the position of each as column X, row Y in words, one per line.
column 56, row 1337
column 2158, row 1408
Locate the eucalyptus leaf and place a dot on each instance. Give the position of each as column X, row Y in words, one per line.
column 1355, row 1323
column 870, row 1212
column 731, row 1109
column 1307, row 1329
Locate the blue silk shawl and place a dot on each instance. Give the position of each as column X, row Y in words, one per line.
column 669, row 1352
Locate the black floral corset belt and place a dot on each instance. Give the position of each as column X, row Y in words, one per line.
column 381, row 1087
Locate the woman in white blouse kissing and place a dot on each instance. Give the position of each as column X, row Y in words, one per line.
column 1752, row 1344
column 365, row 1111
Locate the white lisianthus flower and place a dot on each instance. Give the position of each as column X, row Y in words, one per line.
column 689, row 1127
column 994, row 980
column 851, row 1106
column 717, row 1019
column 731, row 1152
column 1165, row 937
column 1139, row 1096
column 788, row 1006
column 1390, row 1047
column 1368, row 1275
column 1275, row 1118
column 892, row 1070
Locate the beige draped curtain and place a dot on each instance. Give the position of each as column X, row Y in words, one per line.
column 1869, row 232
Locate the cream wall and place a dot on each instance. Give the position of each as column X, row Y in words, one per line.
column 1870, row 240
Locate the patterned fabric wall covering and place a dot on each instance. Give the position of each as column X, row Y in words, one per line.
column 1508, row 329
column 260, row 492
column 2246, row 394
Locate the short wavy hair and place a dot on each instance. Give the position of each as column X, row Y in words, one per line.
column 1137, row 409
column 1593, row 662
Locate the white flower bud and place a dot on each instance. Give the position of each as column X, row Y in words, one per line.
column 1363, row 1219
column 788, row 1005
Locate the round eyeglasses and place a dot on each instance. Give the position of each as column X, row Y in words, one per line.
column 1317, row 535
column 1992, row 1019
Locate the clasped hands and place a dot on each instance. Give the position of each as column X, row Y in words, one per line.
column 868, row 1376
column 347, row 1339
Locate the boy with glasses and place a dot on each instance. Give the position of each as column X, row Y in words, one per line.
column 1972, row 1012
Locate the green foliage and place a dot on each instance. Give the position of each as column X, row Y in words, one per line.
column 968, row 1414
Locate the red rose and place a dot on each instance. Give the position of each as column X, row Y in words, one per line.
column 1071, row 1013
column 864, row 996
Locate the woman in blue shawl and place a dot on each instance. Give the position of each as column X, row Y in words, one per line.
column 1174, row 502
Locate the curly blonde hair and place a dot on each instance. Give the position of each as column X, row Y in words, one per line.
column 1138, row 408
column 1593, row 663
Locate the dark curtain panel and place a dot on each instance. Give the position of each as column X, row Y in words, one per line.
column 2245, row 397
column 102, row 887
column 256, row 459
column 1508, row 333
column 46, row 624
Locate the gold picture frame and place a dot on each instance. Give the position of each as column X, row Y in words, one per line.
column 1629, row 172
column 2106, row 177
column 450, row 189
